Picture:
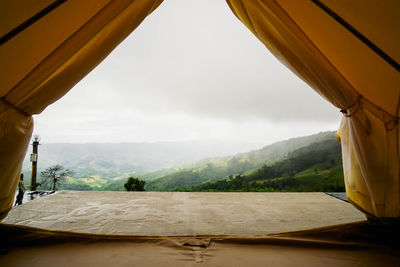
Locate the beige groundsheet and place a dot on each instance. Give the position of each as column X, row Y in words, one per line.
column 178, row 213
column 251, row 252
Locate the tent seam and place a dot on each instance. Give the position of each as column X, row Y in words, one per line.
column 358, row 95
column 61, row 45
column 7, row 103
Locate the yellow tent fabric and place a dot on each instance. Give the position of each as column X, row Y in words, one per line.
column 348, row 51
column 359, row 244
column 45, row 59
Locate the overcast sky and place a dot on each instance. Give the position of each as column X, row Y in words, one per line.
column 190, row 71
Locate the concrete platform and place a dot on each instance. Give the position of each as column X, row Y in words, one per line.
column 176, row 213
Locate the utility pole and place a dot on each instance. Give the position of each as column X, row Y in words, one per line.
column 34, row 159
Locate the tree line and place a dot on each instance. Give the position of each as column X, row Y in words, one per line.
column 55, row 176
column 280, row 176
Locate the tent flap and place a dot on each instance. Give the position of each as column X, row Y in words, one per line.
column 64, row 46
column 15, row 132
column 350, row 74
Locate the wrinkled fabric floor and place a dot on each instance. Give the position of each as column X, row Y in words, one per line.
column 353, row 244
column 181, row 213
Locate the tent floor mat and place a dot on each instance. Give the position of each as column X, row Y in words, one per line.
column 183, row 213
column 354, row 244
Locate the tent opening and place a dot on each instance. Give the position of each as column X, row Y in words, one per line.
column 369, row 126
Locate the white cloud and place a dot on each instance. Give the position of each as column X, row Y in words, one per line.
column 190, row 71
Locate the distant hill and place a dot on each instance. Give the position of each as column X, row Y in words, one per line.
column 211, row 170
column 102, row 163
column 316, row 167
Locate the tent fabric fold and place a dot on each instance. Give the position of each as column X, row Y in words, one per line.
column 15, row 132
column 350, row 75
column 360, row 243
column 44, row 61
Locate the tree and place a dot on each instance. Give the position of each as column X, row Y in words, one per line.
column 54, row 176
column 134, row 184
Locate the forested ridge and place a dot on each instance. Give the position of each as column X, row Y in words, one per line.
column 317, row 167
column 243, row 164
column 310, row 163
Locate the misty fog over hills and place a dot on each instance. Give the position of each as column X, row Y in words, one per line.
column 110, row 160
column 174, row 166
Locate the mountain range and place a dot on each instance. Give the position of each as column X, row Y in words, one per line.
column 113, row 161
column 211, row 170
column 166, row 166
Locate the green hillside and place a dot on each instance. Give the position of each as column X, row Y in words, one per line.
column 243, row 167
column 106, row 166
column 212, row 170
column 317, row 167
column 119, row 160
